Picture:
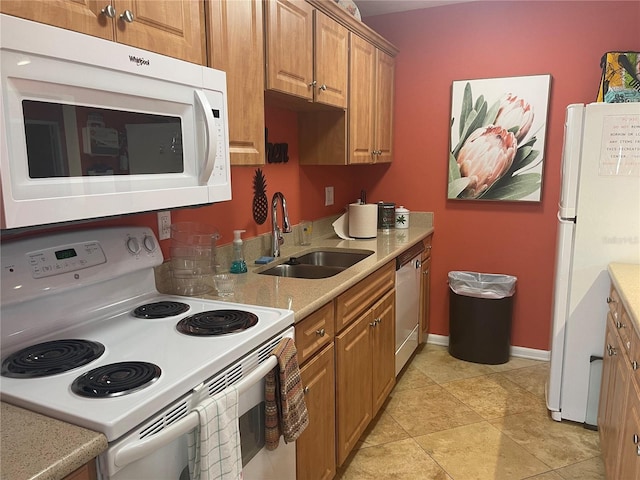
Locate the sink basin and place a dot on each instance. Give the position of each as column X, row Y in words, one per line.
column 318, row 264
column 303, row 271
column 329, row 258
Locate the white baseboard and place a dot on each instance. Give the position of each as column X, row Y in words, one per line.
column 522, row 352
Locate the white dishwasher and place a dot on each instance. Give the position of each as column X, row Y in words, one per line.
column 407, row 303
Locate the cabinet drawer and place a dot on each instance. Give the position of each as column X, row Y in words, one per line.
column 314, row 332
column 361, row 296
column 427, row 248
column 614, row 303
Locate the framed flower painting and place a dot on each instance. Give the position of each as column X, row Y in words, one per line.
column 497, row 138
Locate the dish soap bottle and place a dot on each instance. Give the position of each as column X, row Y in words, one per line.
column 238, row 265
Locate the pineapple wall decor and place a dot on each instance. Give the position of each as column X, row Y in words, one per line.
column 260, row 202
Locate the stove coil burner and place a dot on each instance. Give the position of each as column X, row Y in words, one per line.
column 160, row 309
column 116, row 379
column 50, row 358
column 217, row 322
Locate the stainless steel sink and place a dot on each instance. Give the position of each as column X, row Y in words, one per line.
column 302, row 271
column 318, row 264
column 329, row 258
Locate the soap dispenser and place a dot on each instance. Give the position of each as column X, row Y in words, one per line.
column 238, row 265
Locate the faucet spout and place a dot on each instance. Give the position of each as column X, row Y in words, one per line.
column 278, row 239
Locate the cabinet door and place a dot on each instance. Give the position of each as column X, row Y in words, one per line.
column 425, row 297
column 236, row 46
column 353, row 383
column 331, row 61
column 383, row 107
column 630, row 445
column 170, row 27
column 85, row 472
column 383, row 343
column 316, row 447
column 289, row 47
column 361, row 98
column 80, row 16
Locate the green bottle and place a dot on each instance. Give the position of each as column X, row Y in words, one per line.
column 238, row 265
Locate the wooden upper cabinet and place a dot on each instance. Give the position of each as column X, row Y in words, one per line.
column 331, row 61
column 289, row 47
column 362, row 95
column 371, row 91
column 383, row 107
column 236, row 45
column 80, row 16
column 169, row 27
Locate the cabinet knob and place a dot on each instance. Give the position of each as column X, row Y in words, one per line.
column 619, row 324
column 305, row 390
column 634, row 364
column 610, row 300
column 373, row 324
column 323, row 87
column 321, row 332
column 108, row 11
column 636, row 439
column 314, row 83
column 127, row 16
column 611, row 351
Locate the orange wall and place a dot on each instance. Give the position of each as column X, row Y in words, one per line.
column 483, row 40
column 439, row 45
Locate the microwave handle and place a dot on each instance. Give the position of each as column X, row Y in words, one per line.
column 211, row 146
column 132, row 452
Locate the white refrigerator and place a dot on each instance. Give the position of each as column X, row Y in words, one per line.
column 599, row 223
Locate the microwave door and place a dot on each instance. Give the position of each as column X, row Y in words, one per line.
column 154, row 148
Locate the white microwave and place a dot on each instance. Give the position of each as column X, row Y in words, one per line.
column 92, row 128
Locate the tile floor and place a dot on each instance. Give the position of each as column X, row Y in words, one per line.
column 447, row 419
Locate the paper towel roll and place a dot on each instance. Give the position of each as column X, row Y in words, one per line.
column 363, row 220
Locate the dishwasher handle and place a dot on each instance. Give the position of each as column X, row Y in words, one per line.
column 409, row 255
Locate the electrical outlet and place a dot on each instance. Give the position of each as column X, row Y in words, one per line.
column 328, row 196
column 164, row 225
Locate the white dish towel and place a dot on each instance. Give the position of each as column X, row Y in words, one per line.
column 214, row 447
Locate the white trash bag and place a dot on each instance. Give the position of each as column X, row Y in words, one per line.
column 482, row 285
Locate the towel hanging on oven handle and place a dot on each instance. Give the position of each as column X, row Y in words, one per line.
column 130, row 453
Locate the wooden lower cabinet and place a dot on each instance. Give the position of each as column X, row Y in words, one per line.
column 619, row 407
column 630, row 444
column 316, row 447
column 365, row 371
column 425, row 291
column 85, row 472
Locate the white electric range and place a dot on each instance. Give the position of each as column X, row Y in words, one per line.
column 124, row 354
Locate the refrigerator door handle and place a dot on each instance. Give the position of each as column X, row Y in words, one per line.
column 565, row 219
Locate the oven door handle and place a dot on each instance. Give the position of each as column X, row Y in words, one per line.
column 132, row 452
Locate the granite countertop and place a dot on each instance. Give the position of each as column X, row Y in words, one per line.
column 304, row 296
column 36, row 447
column 626, row 279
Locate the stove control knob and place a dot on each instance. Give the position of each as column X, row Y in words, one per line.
column 133, row 245
column 149, row 243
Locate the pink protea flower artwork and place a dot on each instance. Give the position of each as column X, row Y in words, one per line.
column 485, row 157
column 515, row 112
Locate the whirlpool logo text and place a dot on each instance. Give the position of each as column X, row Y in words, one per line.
column 138, row 61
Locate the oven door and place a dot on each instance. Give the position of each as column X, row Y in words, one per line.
column 144, row 454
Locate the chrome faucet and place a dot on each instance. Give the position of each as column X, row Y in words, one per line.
column 278, row 239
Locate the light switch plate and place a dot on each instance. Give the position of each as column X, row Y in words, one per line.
column 328, row 196
column 164, row 225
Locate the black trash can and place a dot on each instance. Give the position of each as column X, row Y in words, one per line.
column 480, row 313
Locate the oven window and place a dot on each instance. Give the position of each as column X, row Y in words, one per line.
column 76, row 141
column 252, row 432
